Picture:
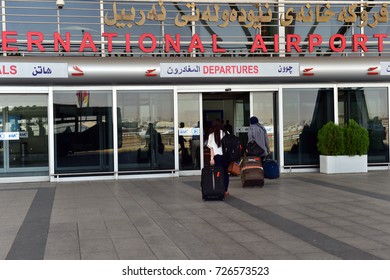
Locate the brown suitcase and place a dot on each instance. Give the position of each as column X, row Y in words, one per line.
column 252, row 173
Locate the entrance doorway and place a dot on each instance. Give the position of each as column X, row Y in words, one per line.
column 23, row 135
column 230, row 107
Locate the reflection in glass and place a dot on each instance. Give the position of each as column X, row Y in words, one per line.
column 368, row 107
column 27, row 115
column 189, row 131
column 263, row 109
column 83, row 131
column 305, row 111
column 147, row 130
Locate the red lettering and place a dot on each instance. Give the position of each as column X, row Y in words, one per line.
column 276, row 43
column 196, row 43
column 380, row 40
column 359, row 40
column 128, row 48
column 87, row 42
column 13, row 70
column 152, row 39
column 314, row 40
column 37, row 42
column 109, row 39
column 6, row 40
column 332, row 45
column 58, row 40
column 293, row 40
column 258, row 43
column 215, row 45
column 169, row 42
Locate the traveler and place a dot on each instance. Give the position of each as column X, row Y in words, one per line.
column 215, row 144
column 258, row 133
column 228, row 127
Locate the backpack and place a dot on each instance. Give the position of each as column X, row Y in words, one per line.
column 231, row 148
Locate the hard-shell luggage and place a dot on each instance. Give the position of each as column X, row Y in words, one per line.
column 252, row 173
column 212, row 183
column 271, row 168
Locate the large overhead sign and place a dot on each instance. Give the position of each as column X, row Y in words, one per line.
column 262, row 15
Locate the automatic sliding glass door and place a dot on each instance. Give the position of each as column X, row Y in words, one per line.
column 23, row 135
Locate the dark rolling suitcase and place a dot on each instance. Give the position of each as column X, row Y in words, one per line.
column 252, row 173
column 271, row 168
column 212, row 183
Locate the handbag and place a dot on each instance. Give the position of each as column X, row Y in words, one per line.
column 234, row 168
column 252, row 149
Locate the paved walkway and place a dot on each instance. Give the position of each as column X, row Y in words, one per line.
column 298, row 216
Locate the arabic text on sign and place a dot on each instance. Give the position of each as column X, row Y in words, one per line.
column 252, row 18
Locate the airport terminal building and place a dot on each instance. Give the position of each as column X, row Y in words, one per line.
column 100, row 90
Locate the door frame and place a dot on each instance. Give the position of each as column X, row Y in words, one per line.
column 44, row 91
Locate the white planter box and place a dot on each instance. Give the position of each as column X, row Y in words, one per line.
column 343, row 164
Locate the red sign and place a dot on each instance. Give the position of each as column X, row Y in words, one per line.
column 147, row 43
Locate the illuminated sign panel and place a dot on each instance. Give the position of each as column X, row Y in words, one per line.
column 185, row 70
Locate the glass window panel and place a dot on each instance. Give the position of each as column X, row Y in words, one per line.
column 78, row 17
column 83, row 131
column 189, row 131
column 263, row 109
column 368, row 107
column 26, row 114
column 24, row 16
column 147, row 132
column 305, row 111
column 326, row 28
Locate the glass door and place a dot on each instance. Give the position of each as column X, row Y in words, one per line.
column 189, row 131
column 23, row 135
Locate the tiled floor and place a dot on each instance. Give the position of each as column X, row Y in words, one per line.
column 298, row 216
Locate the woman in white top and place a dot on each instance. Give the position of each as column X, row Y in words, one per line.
column 215, row 145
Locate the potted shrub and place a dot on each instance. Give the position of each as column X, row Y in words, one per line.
column 343, row 149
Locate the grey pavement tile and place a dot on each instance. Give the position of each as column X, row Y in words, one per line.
column 167, row 252
column 133, row 249
column 59, row 256
column 275, row 234
column 62, row 247
column 264, row 249
column 385, row 239
column 233, row 251
column 317, row 256
column 363, row 243
column 93, row 234
column 362, row 230
column 94, row 224
column 228, row 226
column 310, row 222
column 102, row 245
column 64, row 216
column 382, row 253
column 63, row 227
column 245, row 236
column 99, row 256
column 122, row 230
column 297, row 246
column 334, row 232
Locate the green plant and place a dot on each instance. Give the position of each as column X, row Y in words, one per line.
column 330, row 140
column 356, row 139
column 351, row 139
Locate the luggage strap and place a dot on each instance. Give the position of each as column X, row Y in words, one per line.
column 251, row 167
